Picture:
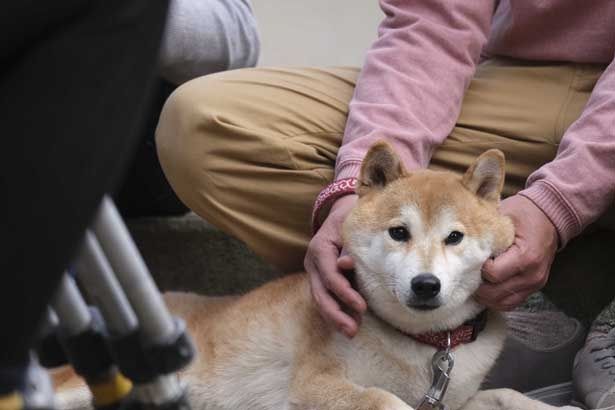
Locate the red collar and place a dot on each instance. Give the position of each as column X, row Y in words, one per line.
column 466, row 333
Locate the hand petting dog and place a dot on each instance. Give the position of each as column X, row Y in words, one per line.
column 524, row 268
column 324, row 266
column 509, row 279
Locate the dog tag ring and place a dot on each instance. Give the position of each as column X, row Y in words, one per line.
column 442, row 365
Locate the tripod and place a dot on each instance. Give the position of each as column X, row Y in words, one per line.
column 118, row 334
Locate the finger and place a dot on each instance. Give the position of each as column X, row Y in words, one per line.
column 358, row 317
column 486, row 271
column 325, row 263
column 496, row 291
column 503, row 267
column 340, row 286
column 507, row 303
column 504, row 296
column 330, row 309
column 345, row 262
column 510, row 302
column 514, row 301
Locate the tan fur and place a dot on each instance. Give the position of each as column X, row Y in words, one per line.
column 430, row 190
column 271, row 350
column 64, row 378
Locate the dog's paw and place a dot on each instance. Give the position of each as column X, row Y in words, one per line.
column 383, row 400
column 396, row 406
column 394, row 403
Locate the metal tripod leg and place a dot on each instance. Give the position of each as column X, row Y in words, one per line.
column 72, row 312
column 122, row 323
column 82, row 336
column 103, row 289
column 155, row 321
column 150, row 346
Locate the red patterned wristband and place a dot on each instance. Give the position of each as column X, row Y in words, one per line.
column 327, row 196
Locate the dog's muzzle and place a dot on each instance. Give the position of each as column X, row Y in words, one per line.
column 425, row 289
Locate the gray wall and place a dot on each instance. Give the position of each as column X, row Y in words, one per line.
column 316, row 32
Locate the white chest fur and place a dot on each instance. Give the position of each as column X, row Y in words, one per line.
column 380, row 356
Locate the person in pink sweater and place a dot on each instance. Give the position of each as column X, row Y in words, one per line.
column 445, row 80
column 410, row 92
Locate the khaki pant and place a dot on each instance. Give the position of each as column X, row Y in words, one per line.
column 249, row 150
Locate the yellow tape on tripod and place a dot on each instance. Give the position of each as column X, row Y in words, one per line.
column 110, row 391
column 12, row 401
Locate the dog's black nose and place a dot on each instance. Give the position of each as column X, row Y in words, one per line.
column 425, row 286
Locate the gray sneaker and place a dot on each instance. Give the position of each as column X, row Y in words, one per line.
column 539, row 351
column 593, row 373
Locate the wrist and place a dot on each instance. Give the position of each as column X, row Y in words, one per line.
column 328, row 196
column 556, row 209
column 347, row 169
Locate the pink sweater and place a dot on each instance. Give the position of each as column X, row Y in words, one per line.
column 412, row 84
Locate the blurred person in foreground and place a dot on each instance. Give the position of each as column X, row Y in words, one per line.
column 201, row 37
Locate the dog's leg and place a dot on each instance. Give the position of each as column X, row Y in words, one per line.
column 333, row 392
column 507, row 399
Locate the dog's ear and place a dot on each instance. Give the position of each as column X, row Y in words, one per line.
column 485, row 177
column 380, row 167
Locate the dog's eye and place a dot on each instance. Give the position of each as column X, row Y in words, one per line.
column 399, row 233
column 453, row 238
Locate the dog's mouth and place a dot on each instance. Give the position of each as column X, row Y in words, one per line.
column 424, row 306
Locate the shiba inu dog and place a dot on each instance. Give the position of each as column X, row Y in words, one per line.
column 418, row 240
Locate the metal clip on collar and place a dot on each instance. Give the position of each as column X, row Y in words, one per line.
column 442, row 365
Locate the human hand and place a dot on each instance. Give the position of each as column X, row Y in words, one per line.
column 324, row 267
column 524, row 267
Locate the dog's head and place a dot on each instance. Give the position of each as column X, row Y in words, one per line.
column 419, row 238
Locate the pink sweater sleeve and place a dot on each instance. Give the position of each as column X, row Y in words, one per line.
column 412, row 84
column 579, row 185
